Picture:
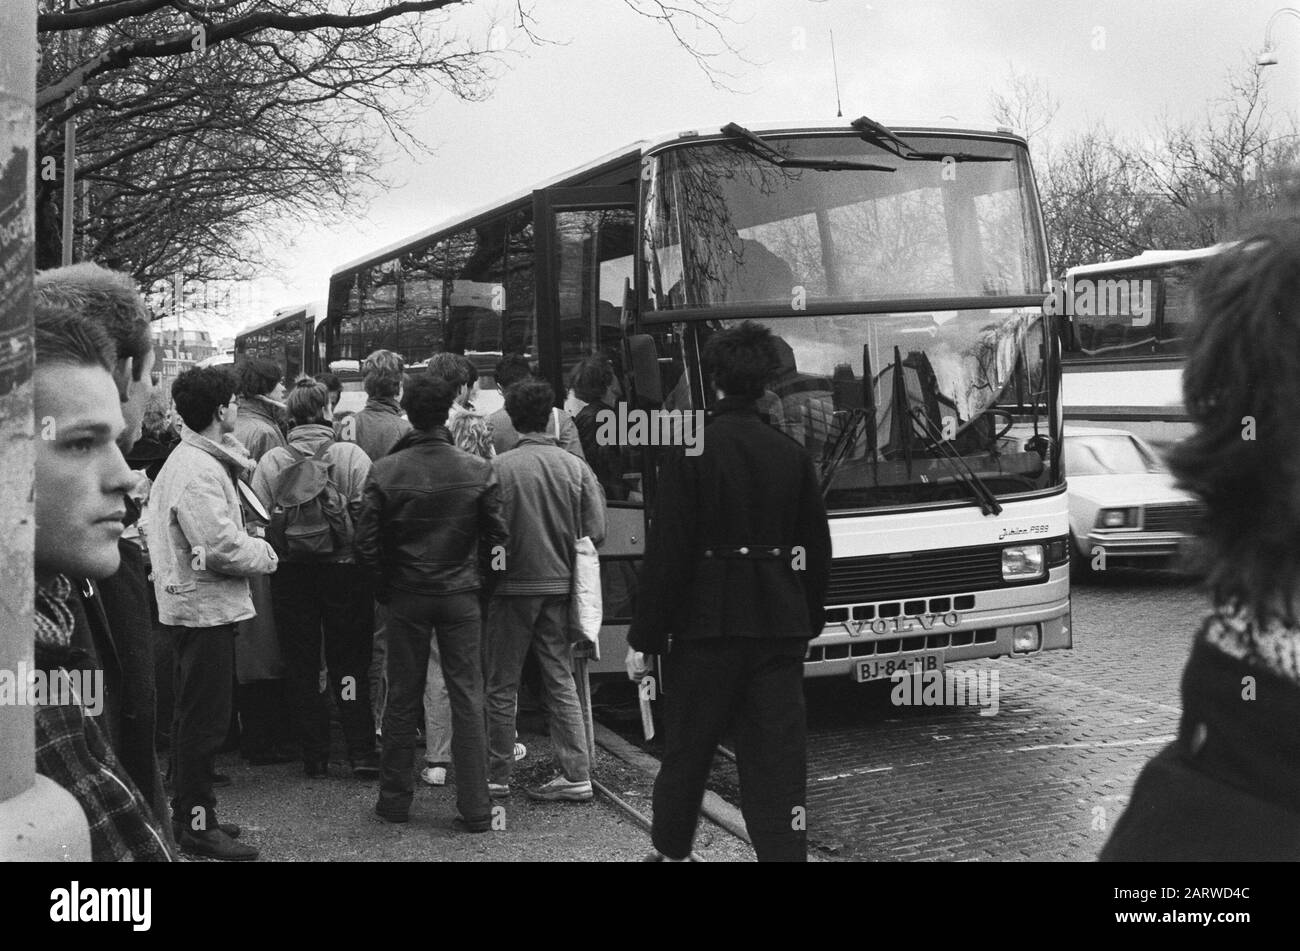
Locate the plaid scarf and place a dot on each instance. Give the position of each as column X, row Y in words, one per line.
column 1272, row 645
column 54, row 619
column 73, row 751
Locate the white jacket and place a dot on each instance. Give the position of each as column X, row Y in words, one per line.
column 200, row 551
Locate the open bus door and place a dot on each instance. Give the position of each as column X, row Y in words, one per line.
column 585, row 240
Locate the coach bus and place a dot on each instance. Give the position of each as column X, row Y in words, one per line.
column 289, row 339
column 901, row 271
column 1125, row 329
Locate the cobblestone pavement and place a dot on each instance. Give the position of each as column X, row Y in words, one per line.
column 1045, row 777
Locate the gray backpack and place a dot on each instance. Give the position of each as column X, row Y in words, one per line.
column 309, row 516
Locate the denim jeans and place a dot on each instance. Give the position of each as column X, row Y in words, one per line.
column 457, row 624
column 379, row 664
column 515, row 624
column 204, row 686
column 437, row 709
column 329, row 602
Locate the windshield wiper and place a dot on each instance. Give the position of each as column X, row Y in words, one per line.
column 837, row 451
column 847, row 439
column 766, row 151
column 875, row 133
column 935, row 442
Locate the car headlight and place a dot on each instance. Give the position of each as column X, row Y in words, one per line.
column 1020, row 562
column 1117, row 518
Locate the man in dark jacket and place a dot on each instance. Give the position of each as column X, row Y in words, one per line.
column 736, row 570
column 431, row 513
column 117, row 608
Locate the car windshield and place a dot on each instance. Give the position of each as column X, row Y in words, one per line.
column 724, row 226
column 1109, row 455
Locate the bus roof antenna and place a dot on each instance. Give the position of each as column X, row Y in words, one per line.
column 835, row 71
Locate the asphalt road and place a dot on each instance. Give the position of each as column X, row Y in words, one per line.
column 1043, row 777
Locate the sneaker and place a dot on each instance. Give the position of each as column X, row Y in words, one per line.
column 215, row 844
column 520, row 751
column 560, row 788
column 367, row 766
column 434, row 775
column 464, row 825
column 499, row 790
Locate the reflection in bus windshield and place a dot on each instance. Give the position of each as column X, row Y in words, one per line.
column 724, row 226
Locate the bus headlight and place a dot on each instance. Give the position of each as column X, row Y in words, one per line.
column 1117, row 518
column 1020, row 562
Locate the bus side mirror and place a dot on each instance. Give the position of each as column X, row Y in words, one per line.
column 643, row 361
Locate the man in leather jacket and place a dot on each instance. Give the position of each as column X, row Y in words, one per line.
column 429, row 523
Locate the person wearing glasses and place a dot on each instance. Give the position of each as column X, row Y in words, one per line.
column 203, row 557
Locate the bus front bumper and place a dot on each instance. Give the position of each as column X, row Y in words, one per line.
column 986, row 630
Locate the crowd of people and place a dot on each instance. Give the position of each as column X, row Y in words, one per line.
column 400, row 564
column 397, row 566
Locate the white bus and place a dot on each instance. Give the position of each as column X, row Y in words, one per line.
column 1125, row 336
column 901, row 270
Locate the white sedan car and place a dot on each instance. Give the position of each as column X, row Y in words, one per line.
column 1124, row 506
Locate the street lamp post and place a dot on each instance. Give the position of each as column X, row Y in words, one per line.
column 1268, row 57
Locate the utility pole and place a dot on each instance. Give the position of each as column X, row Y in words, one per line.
column 40, row 821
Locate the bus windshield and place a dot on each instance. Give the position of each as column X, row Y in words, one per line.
column 726, row 226
column 952, row 395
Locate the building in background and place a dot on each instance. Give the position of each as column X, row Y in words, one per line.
column 180, row 343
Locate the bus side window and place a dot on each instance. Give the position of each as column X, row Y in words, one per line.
column 1177, row 314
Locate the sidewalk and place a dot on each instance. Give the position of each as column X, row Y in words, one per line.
column 294, row 819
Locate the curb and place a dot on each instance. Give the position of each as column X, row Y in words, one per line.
column 715, row 807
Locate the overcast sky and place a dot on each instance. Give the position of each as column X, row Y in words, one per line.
column 619, row 77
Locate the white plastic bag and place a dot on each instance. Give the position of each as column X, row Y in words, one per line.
column 586, row 608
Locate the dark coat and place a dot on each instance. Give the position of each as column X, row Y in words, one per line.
column 606, row 461
column 376, row 429
column 258, row 427
column 1228, row 789
column 751, row 486
column 120, row 628
column 430, row 515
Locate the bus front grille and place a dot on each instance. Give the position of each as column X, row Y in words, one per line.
column 943, row 571
column 817, row 653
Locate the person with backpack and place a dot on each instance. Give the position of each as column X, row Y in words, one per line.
column 312, row 492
